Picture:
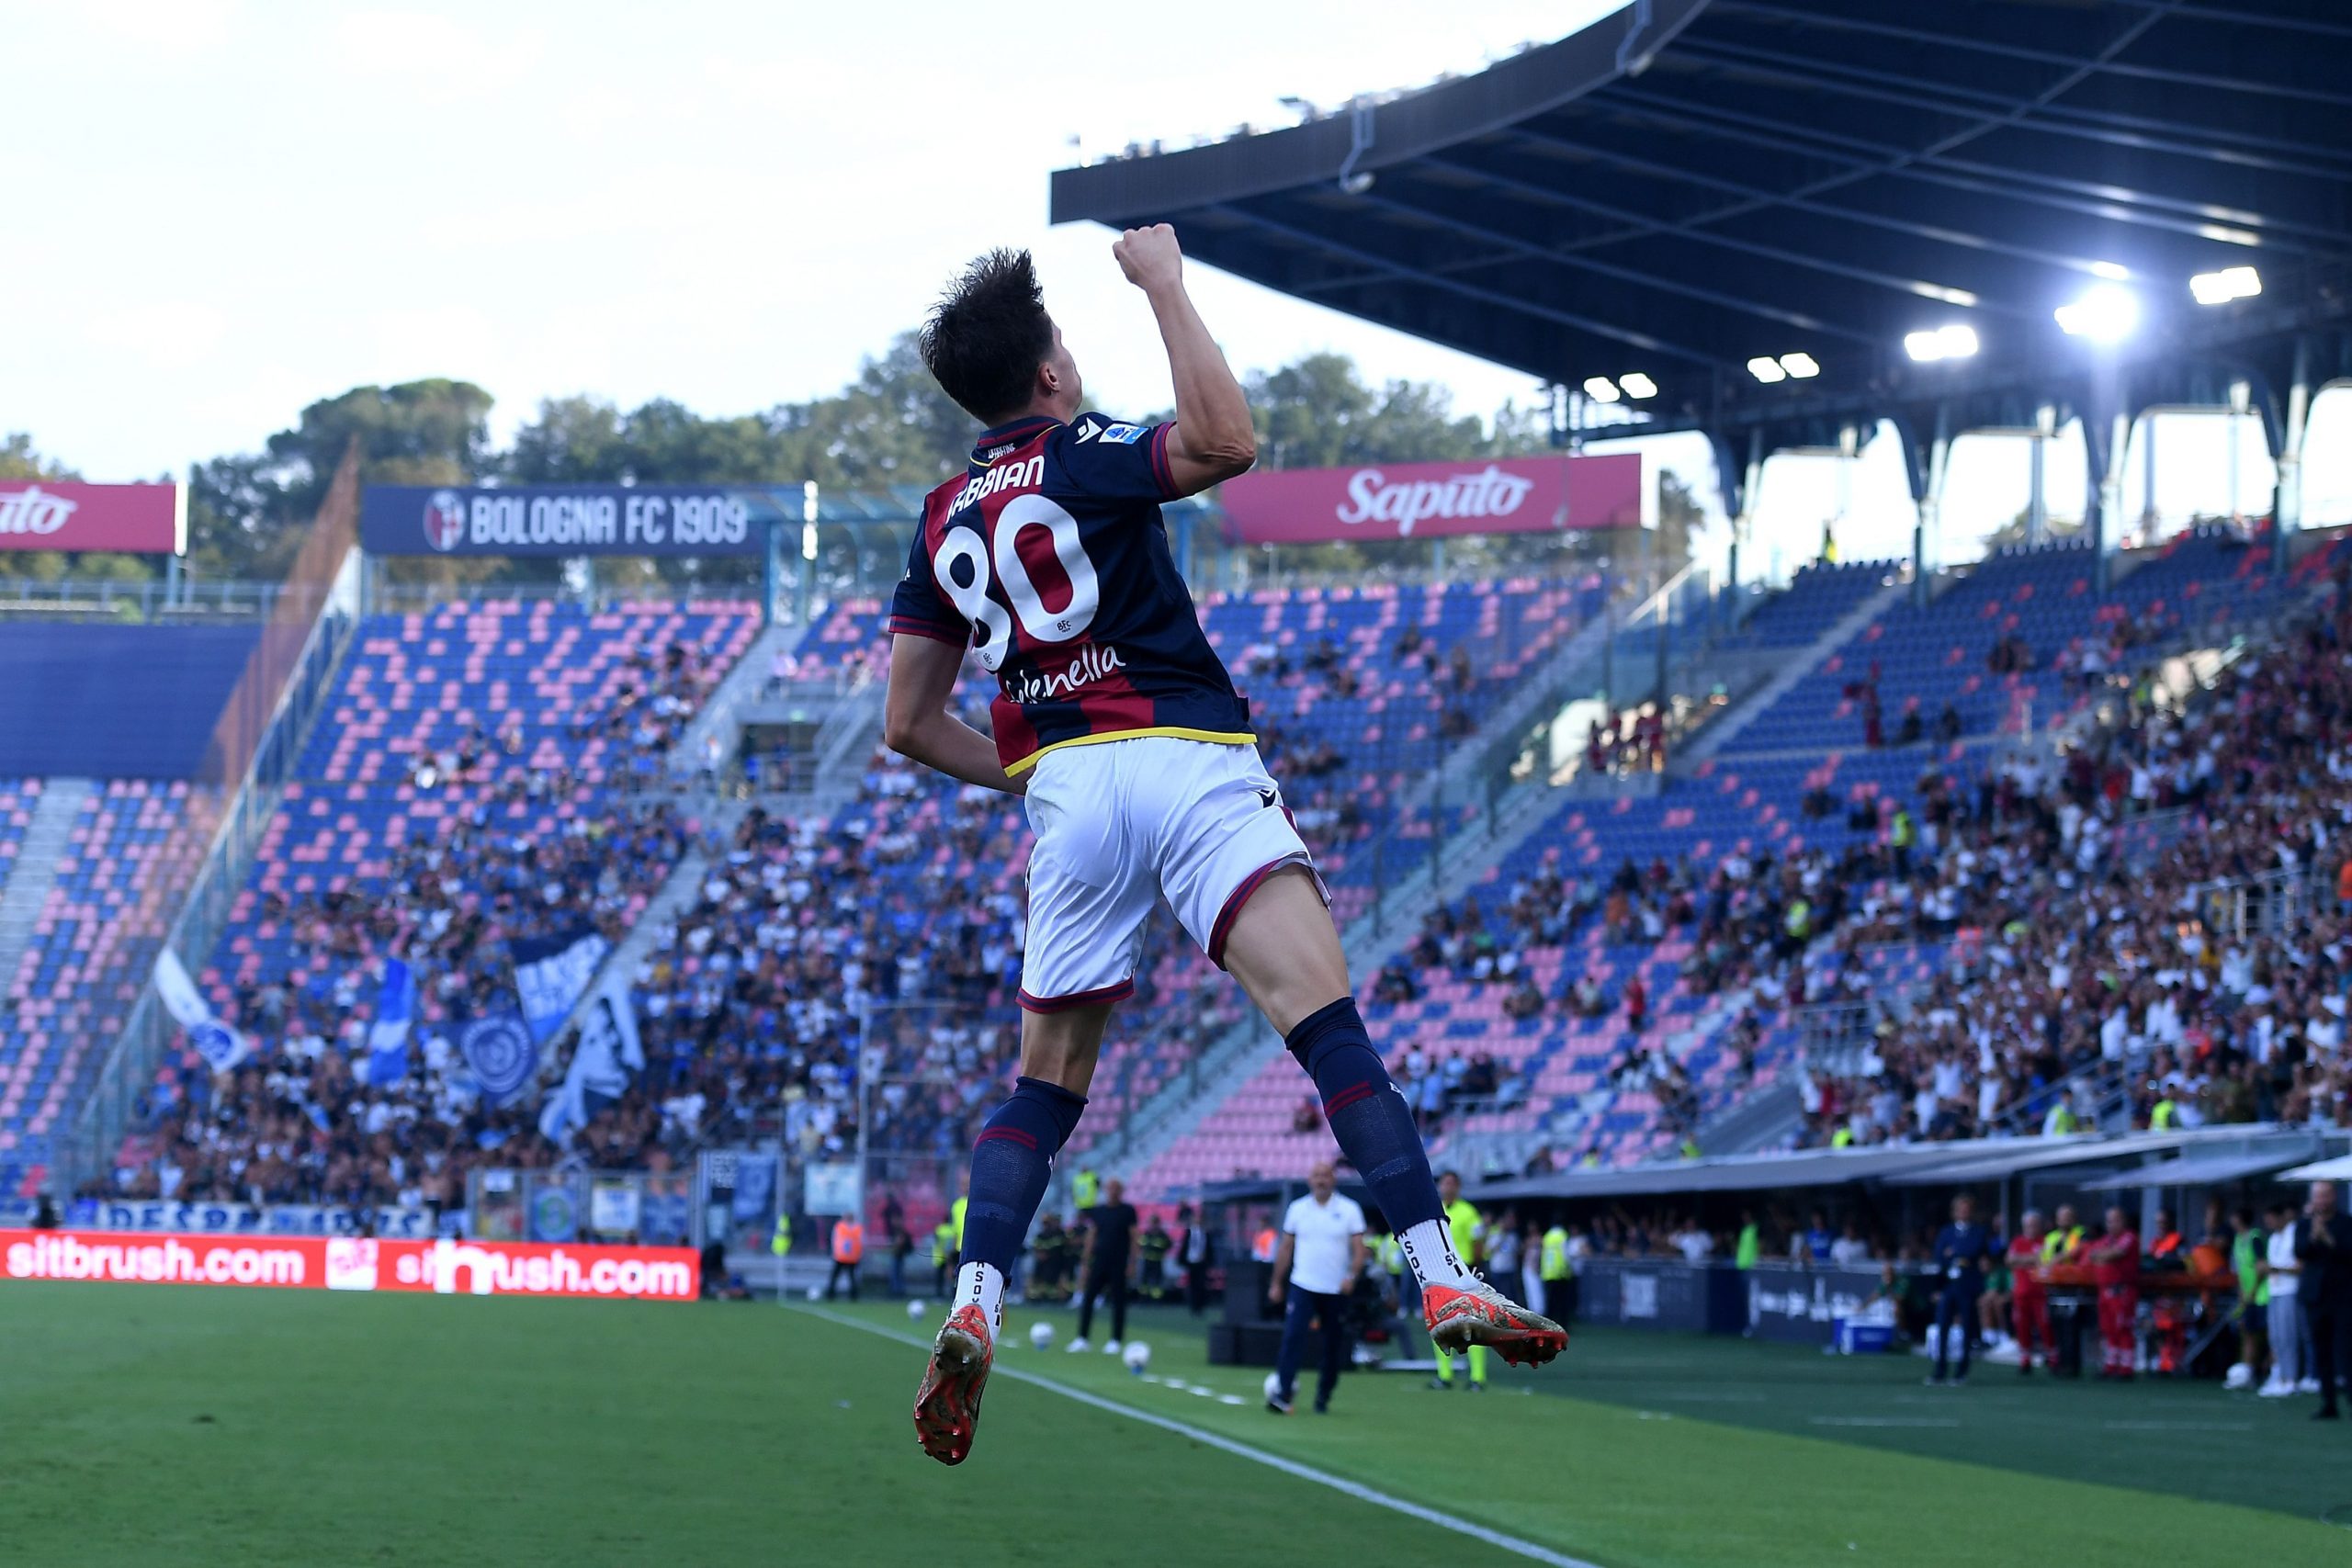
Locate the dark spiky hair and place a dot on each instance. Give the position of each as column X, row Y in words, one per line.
column 987, row 334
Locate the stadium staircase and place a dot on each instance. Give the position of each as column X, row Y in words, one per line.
column 673, row 898
column 721, row 717
column 1798, row 663
column 48, row 833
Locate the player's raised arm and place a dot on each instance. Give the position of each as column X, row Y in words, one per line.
column 1213, row 439
column 917, row 724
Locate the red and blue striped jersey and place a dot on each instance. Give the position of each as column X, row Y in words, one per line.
column 1049, row 560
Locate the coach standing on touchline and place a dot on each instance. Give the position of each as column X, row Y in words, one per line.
column 1315, row 1266
column 2323, row 1247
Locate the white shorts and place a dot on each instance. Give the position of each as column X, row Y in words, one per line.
column 1118, row 823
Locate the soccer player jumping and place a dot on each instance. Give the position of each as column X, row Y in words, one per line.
column 1047, row 560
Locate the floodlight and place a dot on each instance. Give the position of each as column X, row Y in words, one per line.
column 2107, row 312
column 2230, row 283
column 1956, row 341
column 1600, row 388
column 1637, row 385
column 1802, row 366
column 1767, row 369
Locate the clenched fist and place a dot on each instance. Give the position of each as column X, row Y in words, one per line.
column 1149, row 256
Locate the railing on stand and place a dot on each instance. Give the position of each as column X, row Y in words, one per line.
column 288, row 681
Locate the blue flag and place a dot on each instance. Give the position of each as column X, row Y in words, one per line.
column 499, row 1050
column 551, row 972
column 387, row 1036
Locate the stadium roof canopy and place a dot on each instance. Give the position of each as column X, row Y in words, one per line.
column 1688, row 185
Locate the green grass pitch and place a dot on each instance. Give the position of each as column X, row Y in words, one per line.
column 155, row 1424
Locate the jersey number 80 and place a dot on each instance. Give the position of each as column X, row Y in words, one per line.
column 963, row 546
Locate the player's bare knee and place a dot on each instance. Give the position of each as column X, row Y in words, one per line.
column 1284, row 950
column 1060, row 1047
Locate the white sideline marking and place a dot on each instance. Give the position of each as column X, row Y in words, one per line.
column 1511, row 1543
column 1879, row 1421
column 2178, row 1425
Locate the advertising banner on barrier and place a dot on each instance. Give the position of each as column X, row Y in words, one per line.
column 1801, row 1306
column 244, row 1219
column 352, row 1263
column 1661, row 1293
column 49, row 514
column 560, row 520
column 1421, row 501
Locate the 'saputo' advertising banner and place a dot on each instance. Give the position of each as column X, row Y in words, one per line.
column 1418, row 501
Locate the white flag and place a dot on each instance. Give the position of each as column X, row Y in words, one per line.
column 605, row 1060
column 219, row 1045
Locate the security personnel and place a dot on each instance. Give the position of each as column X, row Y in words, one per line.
column 942, row 1254
column 1559, row 1273
column 849, row 1252
column 2065, row 1242
column 1468, row 1232
column 779, row 1243
column 1086, row 1190
column 1902, row 835
column 1751, row 1243
column 1048, row 1258
column 1152, row 1247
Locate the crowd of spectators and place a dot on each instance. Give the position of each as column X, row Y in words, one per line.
column 298, row 1120
column 2161, row 904
column 2201, row 976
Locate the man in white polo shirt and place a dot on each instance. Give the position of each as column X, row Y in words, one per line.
column 1315, row 1266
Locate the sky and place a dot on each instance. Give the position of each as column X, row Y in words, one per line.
column 221, row 211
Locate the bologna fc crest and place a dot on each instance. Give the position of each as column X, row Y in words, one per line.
column 444, row 520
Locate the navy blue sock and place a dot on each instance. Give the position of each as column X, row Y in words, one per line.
column 1367, row 1113
column 1009, row 1164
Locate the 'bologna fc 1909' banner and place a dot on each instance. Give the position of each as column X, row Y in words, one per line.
column 1416, row 500
column 559, row 519
column 42, row 514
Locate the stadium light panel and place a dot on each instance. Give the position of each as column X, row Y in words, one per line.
column 1957, row 341
column 2107, row 312
column 1767, row 369
column 1802, row 366
column 1600, row 388
column 2230, row 283
column 2114, row 272
column 1637, row 385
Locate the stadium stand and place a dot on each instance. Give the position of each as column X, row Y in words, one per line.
column 485, row 771
column 83, row 700
column 133, row 847
column 1631, row 975
column 1514, row 1014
